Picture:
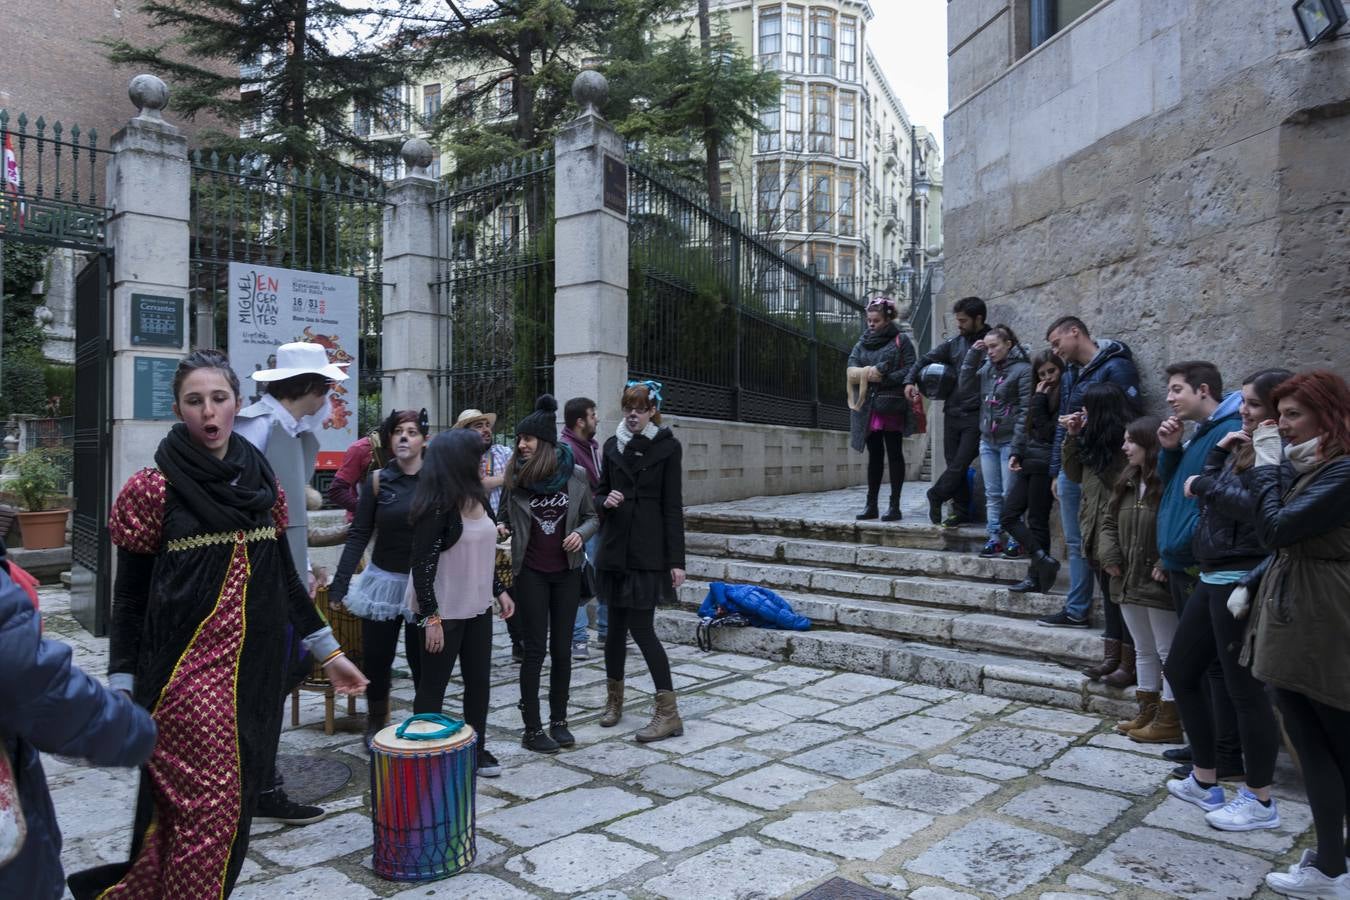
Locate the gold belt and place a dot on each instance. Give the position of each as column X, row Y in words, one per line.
column 197, row 541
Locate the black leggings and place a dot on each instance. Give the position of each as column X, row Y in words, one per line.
column 1113, row 621
column 1321, row 736
column 1208, row 632
column 546, row 604
column 885, row 447
column 469, row 640
column 379, row 649
column 1030, row 494
column 640, row 623
column 1227, row 735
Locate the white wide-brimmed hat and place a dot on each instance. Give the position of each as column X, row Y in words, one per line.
column 301, row 358
column 471, row 417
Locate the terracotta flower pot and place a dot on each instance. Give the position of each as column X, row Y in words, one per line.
column 43, row 530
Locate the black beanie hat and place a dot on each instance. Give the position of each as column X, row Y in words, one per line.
column 543, row 422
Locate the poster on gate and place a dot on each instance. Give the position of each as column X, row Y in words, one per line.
column 270, row 307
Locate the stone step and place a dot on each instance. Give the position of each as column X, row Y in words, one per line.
column 920, row 590
column 934, row 625
column 911, row 532
column 855, row 557
column 976, row 671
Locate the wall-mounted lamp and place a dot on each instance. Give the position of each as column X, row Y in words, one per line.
column 1319, row 20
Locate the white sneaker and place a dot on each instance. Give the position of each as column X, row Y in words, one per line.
column 1244, row 813
column 1188, row 789
column 1308, row 881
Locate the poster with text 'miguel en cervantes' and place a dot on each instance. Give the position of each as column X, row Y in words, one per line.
column 270, row 307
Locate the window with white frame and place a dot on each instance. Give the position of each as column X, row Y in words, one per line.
column 848, row 48
column 796, row 39
column 822, row 41
column 822, row 119
column 792, row 104
column 771, row 39
column 848, row 125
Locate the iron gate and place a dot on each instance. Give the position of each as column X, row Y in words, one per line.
column 55, row 203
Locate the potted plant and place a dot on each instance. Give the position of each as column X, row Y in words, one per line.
column 40, row 483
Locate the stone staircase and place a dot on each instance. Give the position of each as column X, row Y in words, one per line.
column 904, row 600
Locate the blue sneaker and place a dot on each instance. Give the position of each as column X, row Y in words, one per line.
column 1188, row 789
column 991, row 548
column 1013, row 550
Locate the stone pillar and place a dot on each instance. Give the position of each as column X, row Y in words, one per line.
column 590, row 313
column 412, row 328
column 147, row 190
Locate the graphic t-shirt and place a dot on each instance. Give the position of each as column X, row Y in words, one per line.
column 548, row 519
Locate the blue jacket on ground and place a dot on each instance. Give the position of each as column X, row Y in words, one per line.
column 48, row 705
column 1178, row 514
column 1115, row 363
column 760, row 605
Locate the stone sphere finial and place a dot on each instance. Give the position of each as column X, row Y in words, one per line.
column 590, row 90
column 150, row 94
column 417, row 156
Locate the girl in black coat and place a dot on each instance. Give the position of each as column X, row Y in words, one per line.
column 1030, row 493
column 886, row 355
column 641, row 557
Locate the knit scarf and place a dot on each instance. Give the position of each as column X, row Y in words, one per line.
column 875, row 340
column 229, row 494
column 622, row 435
column 566, row 463
column 1303, row 457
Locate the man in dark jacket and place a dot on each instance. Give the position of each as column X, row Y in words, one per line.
column 580, row 425
column 48, row 705
column 1086, row 362
column 960, row 412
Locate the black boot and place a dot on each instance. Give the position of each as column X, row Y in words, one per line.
column 1046, row 569
column 870, row 510
column 893, row 512
column 535, row 737
column 1029, row 585
column 934, row 508
column 377, row 716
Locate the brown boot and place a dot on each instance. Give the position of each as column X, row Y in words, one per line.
column 665, row 721
column 1123, row 676
column 1148, row 708
column 1164, row 729
column 1110, row 660
column 613, row 703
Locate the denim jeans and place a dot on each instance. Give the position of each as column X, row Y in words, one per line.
column 998, row 481
column 601, row 607
column 1079, row 601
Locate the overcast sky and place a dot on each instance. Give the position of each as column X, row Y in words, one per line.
column 909, row 39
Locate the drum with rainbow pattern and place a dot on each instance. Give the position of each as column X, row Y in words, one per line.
column 422, row 783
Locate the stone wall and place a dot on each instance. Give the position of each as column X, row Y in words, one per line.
column 733, row 460
column 1173, row 172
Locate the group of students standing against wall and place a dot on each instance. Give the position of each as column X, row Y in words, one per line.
column 1219, row 537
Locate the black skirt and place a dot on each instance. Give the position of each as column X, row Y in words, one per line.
column 635, row 588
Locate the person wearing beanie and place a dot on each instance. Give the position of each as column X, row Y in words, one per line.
column 641, row 559
column 550, row 515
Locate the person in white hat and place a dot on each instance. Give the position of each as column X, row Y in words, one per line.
column 283, row 426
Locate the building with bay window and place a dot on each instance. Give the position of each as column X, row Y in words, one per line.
column 839, row 177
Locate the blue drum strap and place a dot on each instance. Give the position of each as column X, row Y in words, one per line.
column 448, row 727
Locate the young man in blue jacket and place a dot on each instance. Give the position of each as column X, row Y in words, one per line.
column 48, row 705
column 1194, row 394
column 1086, row 362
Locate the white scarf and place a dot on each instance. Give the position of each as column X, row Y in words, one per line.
column 622, row 435
column 1303, row 457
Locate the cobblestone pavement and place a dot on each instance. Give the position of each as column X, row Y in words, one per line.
column 786, row 778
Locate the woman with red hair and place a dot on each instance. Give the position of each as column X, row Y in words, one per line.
column 1301, row 615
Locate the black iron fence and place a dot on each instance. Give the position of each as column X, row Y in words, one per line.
column 52, row 183
column 734, row 329
column 921, row 315
column 494, row 290
column 297, row 220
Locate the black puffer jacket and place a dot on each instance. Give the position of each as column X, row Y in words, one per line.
column 1225, row 534
column 892, row 352
column 1033, row 444
column 965, row 400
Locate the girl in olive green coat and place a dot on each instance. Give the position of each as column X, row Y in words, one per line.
column 1129, row 554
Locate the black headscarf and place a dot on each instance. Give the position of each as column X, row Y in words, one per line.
column 224, row 494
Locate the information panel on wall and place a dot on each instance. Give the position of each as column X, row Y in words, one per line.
column 270, row 307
